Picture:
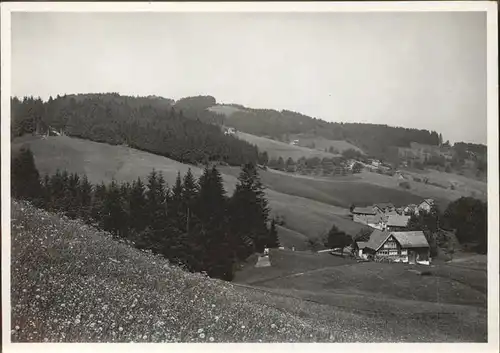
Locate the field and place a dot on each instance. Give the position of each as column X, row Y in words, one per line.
column 109, row 292
column 337, row 191
column 276, row 149
column 103, row 162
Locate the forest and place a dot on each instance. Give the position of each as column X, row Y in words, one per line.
column 192, row 223
column 151, row 124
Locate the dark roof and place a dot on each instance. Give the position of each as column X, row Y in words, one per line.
column 414, row 239
column 397, row 221
column 384, row 205
column 361, row 244
column 377, row 238
column 364, row 210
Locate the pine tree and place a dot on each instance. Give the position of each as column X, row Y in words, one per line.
column 273, row 240
column 25, row 179
column 189, row 194
column 71, row 196
column 97, row 208
column 85, row 198
column 138, row 206
column 174, row 205
column 114, row 215
column 249, row 212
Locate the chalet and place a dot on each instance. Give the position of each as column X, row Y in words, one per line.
column 408, row 247
column 397, row 222
column 425, row 206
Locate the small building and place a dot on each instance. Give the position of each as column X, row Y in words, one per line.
column 410, row 209
column 397, row 222
column 360, row 246
column 363, row 214
column 384, row 207
column 426, row 205
column 408, row 247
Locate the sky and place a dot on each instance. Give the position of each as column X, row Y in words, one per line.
column 422, row 70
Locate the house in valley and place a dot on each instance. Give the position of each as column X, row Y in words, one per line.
column 425, row 206
column 408, row 247
column 410, row 209
column 397, row 223
column 384, row 207
column 363, row 214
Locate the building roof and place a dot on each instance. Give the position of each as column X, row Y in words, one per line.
column 364, row 210
column 361, row 244
column 377, row 238
column 384, row 205
column 397, row 221
column 428, row 201
column 414, row 239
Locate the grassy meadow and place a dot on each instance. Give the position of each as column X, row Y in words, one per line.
column 108, row 291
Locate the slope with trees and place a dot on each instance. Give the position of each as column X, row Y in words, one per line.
column 194, row 223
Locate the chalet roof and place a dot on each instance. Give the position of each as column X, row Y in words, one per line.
column 414, row 239
column 397, row 221
column 364, row 210
column 377, row 238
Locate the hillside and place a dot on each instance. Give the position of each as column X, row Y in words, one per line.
column 276, row 149
column 108, row 291
column 103, row 162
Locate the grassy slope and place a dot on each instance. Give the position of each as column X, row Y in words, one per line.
column 71, row 283
column 452, row 301
column 102, row 162
column 338, row 191
column 277, row 149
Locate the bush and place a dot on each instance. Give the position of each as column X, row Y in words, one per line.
column 405, row 185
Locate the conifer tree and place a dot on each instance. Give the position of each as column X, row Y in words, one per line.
column 137, row 206
column 114, row 219
column 273, row 240
column 25, row 179
column 174, row 205
column 97, row 208
column 85, row 198
column 249, row 211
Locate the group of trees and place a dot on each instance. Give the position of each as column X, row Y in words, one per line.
column 151, row 124
column 193, row 223
column 467, row 216
column 314, row 165
column 372, row 138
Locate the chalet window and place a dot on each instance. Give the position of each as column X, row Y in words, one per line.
column 393, row 252
column 404, row 252
column 390, row 245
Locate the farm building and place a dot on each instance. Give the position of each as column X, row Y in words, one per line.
column 368, row 216
column 397, row 222
column 425, row 206
column 408, row 247
column 384, row 207
column 360, row 246
column 410, row 209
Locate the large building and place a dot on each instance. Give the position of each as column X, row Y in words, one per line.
column 408, row 247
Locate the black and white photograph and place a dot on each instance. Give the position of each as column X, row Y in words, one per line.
column 250, row 173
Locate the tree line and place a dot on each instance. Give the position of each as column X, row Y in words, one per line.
column 314, row 165
column 193, row 223
column 151, row 124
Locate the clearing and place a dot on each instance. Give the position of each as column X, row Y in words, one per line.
column 276, row 149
